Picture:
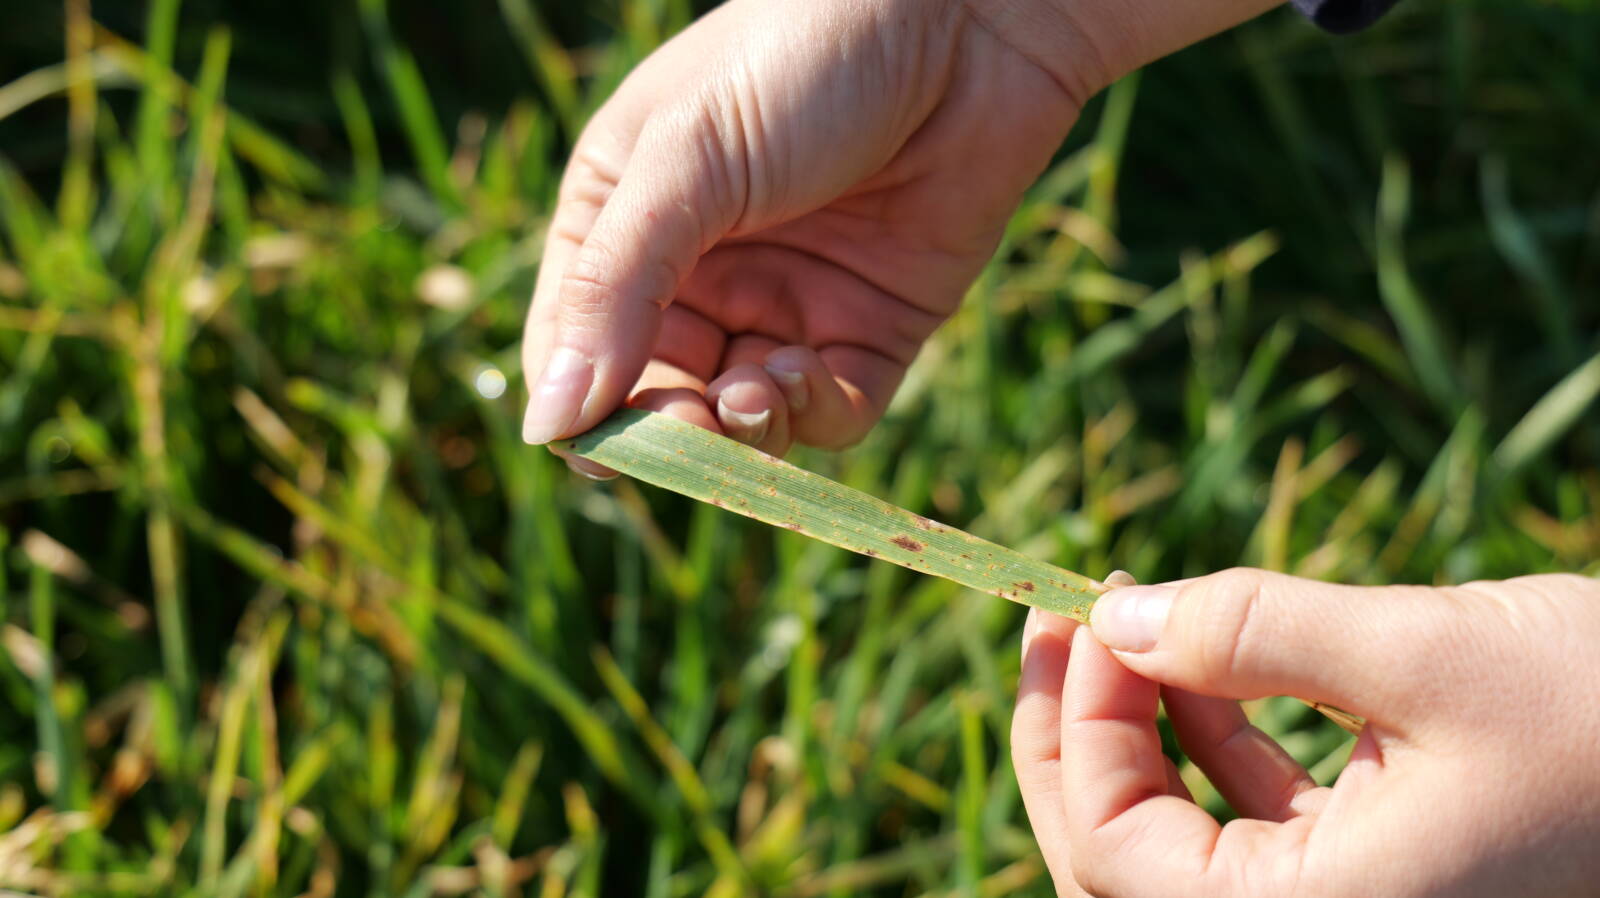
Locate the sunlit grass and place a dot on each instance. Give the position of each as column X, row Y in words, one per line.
column 287, row 607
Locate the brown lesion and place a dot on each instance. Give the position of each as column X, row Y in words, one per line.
column 907, row 543
column 1025, row 585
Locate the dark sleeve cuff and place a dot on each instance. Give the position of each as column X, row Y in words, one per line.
column 1343, row 16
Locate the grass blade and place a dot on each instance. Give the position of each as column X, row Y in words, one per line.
column 1550, row 417
column 685, row 778
column 1419, row 329
column 695, row 462
column 152, row 146
column 410, row 94
column 1519, row 246
column 686, row 459
column 551, row 64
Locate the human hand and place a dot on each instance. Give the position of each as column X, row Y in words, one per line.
column 1478, row 772
column 758, row 231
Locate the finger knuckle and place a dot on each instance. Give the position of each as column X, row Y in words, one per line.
column 702, row 133
column 1089, row 873
column 1028, row 748
column 1105, row 851
column 1226, row 620
column 1562, row 584
column 589, row 180
column 588, row 286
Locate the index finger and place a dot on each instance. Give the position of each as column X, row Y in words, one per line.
column 601, row 158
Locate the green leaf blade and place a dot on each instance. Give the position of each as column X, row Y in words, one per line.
column 686, row 459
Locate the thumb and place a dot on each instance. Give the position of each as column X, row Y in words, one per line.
column 1382, row 652
column 680, row 192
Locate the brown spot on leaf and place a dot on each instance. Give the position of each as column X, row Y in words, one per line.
column 1026, row 584
column 872, row 553
column 791, row 525
column 907, row 543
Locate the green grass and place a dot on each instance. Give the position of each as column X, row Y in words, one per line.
column 288, row 609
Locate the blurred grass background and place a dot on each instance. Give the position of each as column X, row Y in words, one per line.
column 287, row 609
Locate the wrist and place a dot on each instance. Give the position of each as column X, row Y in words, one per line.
column 1086, row 45
column 1055, row 37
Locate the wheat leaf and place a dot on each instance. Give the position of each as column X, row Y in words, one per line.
column 687, row 459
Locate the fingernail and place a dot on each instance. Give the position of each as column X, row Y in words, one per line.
column 554, row 403
column 1119, row 578
column 1130, row 619
column 1030, row 626
column 599, row 475
column 749, row 428
column 793, row 385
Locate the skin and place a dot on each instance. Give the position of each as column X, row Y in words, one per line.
column 1476, row 774
column 757, row 233
column 775, row 210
